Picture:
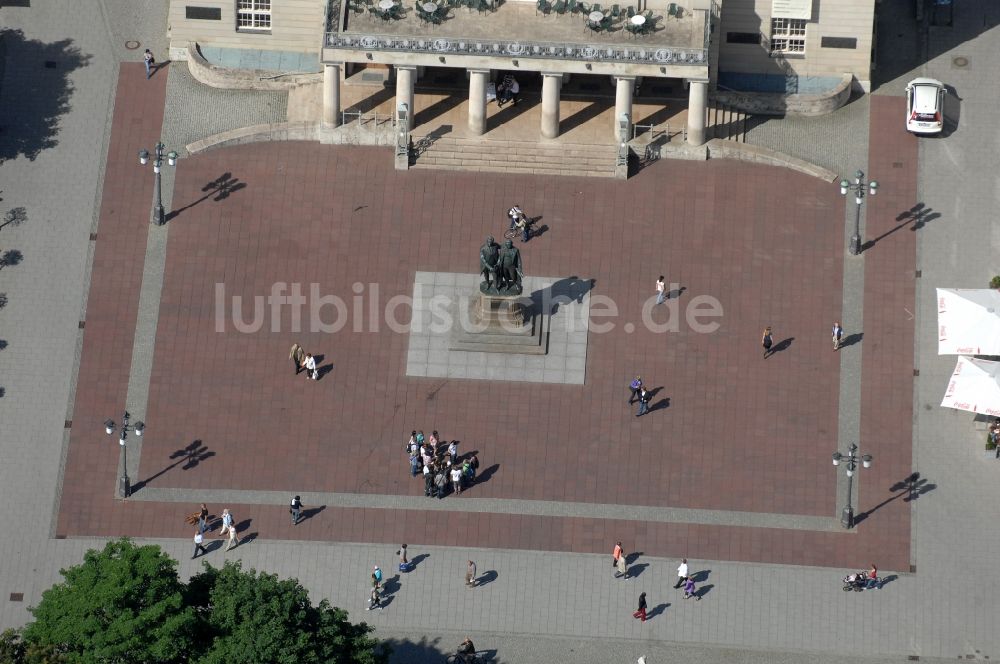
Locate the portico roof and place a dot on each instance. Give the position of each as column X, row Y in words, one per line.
column 516, row 36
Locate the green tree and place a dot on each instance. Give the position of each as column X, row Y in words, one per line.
column 13, row 650
column 255, row 617
column 123, row 604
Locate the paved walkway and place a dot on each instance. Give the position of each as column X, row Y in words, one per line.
column 746, row 606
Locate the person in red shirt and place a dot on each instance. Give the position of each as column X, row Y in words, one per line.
column 616, row 554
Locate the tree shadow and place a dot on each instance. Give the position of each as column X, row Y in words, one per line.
column 14, row 217
column 310, row 513
column 31, row 125
column 424, row 651
column 703, row 590
column 419, row 559
column 487, row 577
column 657, row 610
column 221, row 188
column 3, row 300
column 702, row 576
column 189, row 456
column 909, row 489
column 852, row 339
column 918, row 215
column 10, row 258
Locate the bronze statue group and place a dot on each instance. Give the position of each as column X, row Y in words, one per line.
column 441, row 464
column 501, row 268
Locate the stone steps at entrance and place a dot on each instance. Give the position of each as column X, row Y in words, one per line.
column 514, row 157
column 727, row 123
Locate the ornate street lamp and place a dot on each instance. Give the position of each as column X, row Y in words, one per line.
column 851, row 459
column 858, row 187
column 158, row 216
column 124, row 487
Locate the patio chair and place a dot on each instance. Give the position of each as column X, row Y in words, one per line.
column 672, row 10
column 595, row 7
column 572, row 7
column 543, row 6
column 559, row 7
column 583, row 8
column 629, row 12
column 616, row 12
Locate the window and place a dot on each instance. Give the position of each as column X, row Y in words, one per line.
column 742, row 37
column 253, row 15
column 788, row 35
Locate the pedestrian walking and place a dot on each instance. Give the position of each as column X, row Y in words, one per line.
column 622, row 567
column 838, row 332
column 199, row 544
column 470, row 575
column 641, row 611
column 374, row 600
column 404, row 564
column 644, row 398
column 766, row 341
column 149, row 61
column 682, row 573
column 203, row 518
column 309, row 364
column 453, row 450
column 233, row 541
column 298, row 357
column 635, row 386
column 616, row 553
column 295, row 509
column 227, row 522
column 689, row 590
column 376, row 578
column 661, row 290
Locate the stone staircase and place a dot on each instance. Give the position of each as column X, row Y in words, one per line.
column 727, row 123
column 501, row 156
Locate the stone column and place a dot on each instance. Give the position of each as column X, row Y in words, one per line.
column 477, row 100
column 697, row 111
column 623, row 101
column 405, row 76
column 550, row 104
column 331, row 95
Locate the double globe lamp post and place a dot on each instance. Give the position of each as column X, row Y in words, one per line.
column 124, row 487
column 158, row 218
column 851, row 459
column 858, row 187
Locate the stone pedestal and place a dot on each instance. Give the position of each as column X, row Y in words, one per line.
column 499, row 324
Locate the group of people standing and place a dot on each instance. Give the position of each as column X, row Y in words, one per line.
column 639, row 392
column 440, row 464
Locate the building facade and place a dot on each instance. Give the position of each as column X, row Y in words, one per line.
column 786, row 46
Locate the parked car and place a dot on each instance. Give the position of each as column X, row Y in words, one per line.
column 925, row 106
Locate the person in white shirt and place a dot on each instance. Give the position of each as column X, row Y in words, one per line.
column 661, row 290
column 198, row 544
column 310, row 365
column 682, row 573
column 456, row 479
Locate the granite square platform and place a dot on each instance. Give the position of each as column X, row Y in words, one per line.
column 440, row 303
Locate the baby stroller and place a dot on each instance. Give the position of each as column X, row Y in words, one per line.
column 860, row 581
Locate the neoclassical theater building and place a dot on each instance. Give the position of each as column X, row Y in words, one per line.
column 776, row 51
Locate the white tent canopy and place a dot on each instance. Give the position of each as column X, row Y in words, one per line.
column 968, row 321
column 974, row 386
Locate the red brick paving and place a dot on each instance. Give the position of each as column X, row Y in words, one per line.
column 740, row 433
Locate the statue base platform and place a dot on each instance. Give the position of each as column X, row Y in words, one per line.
column 500, row 324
